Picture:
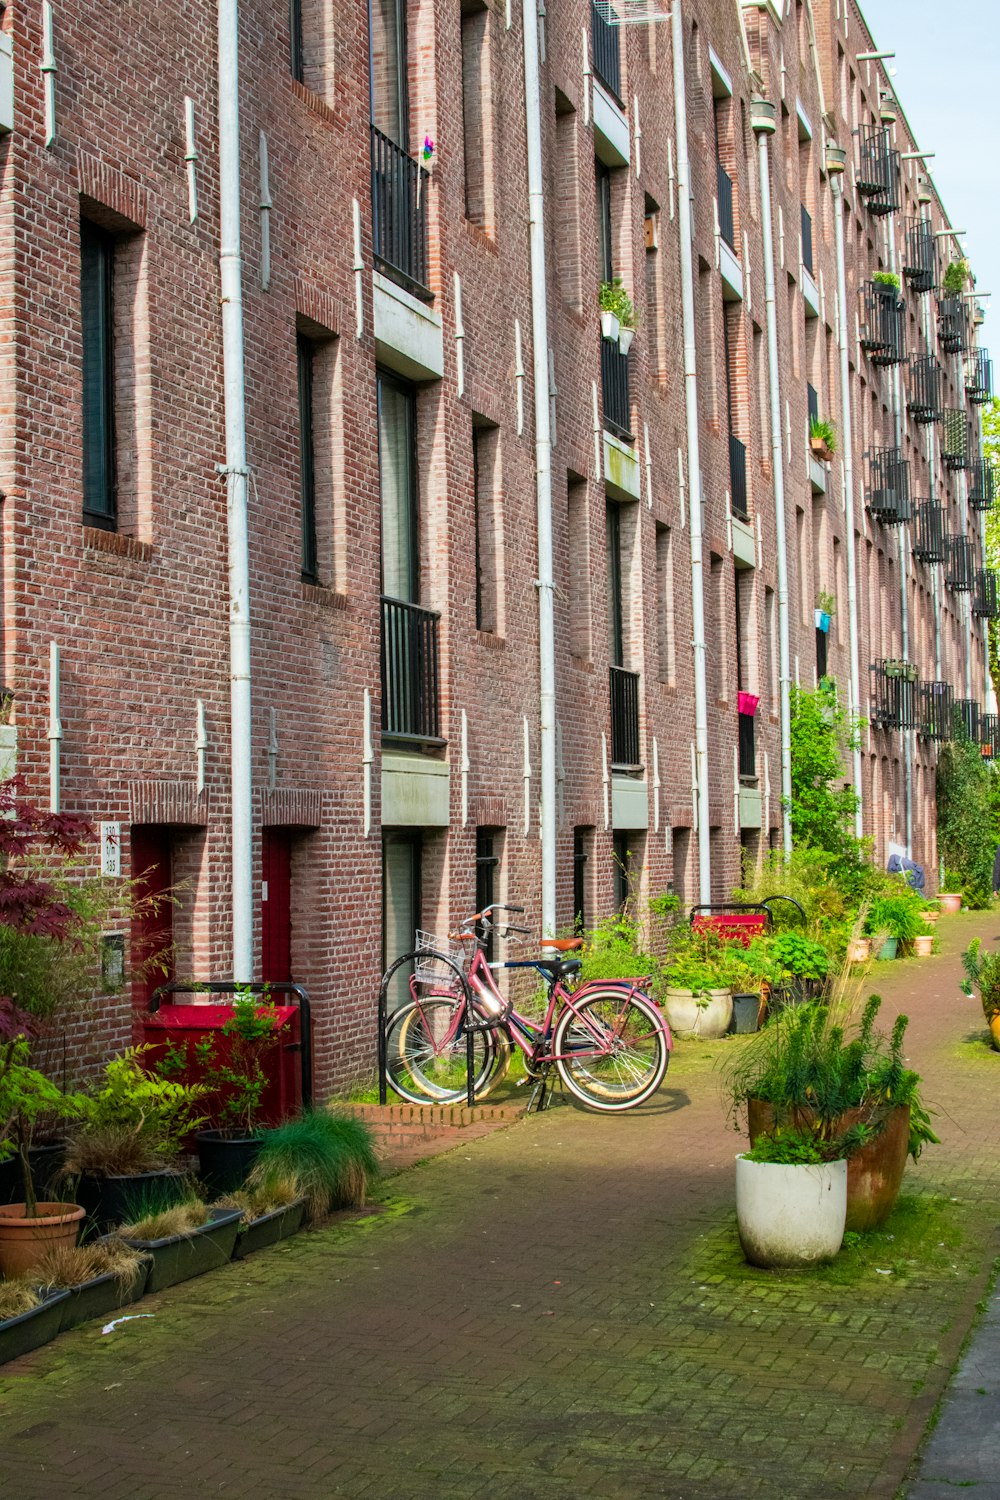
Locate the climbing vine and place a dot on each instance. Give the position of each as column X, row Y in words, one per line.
column 823, row 802
column 967, row 819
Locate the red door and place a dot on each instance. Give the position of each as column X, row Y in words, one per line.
column 152, row 923
column 276, row 905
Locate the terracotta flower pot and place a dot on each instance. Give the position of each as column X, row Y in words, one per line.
column 859, row 950
column 951, row 902
column 24, row 1241
column 923, row 945
column 931, row 916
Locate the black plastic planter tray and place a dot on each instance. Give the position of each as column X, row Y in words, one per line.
column 224, row 1163
column 269, row 1229
column 182, row 1256
column 746, row 1013
column 103, row 1295
column 118, row 1200
column 32, row 1329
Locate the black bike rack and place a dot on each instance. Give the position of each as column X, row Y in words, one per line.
column 269, row 989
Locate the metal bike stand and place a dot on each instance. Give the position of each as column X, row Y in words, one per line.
column 471, row 1025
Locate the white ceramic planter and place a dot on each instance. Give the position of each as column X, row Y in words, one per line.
column 790, row 1216
column 625, row 337
column 610, row 326
column 707, row 1020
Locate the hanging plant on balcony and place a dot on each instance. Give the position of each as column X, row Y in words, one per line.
column 888, row 280
column 823, row 438
column 955, row 278
column 618, row 316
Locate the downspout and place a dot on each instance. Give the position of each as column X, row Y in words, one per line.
column 684, row 231
column 835, row 163
column 904, row 570
column 235, row 470
column 763, row 122
column 543, row 470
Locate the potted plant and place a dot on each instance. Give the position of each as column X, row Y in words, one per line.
column 823, row 438
column 29, row 1317
column 697, row 1001
column 955, row 278
column 950, row 902
column 791, row 1199
column 235, row 1072
column 270, row 1213
column 328, row 1154
column 982, row 972
column 896, row 919
column 182, row 1240
column 618, row 315
column 826, row 608
column 887, row 282
column 99, row 1278
column 799, row 966
column 133, row 1126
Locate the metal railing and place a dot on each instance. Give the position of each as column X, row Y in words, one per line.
column 924, row 401
column 989, row 736
column 410, row 671
column 878, row 170
column 956, row 438
column 937, row 708
column 985, row 597
column 614, row 389
column 952, row 325
column 724, row 192
column 738, row 478
column 624, row 717
column 979, row 378
column 748, row 748
column 604, row 41
column 895, row 692
column 966, row 719
column 928, row 532
column 982, row 483
column 883, row 323
column 959, row 563
column 399, row 210
column 807, row 239
column 888, row 486
column 920, row 255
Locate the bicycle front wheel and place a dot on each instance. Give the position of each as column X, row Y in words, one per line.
column 426, row 1055
column 611, row 1049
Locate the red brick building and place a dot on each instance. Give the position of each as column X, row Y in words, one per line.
column 396, row 584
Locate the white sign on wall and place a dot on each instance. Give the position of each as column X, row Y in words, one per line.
column 111, row 848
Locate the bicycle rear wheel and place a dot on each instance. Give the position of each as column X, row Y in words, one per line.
column 426, row 1056
column 611, row 1051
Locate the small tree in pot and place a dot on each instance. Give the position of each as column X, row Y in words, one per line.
column 236, row 1072
column 982, row 973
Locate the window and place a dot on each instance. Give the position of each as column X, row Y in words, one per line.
column 771, row 634
column 307, row 459
column 388, row 69
column 627, row 851
column 566, row 204
column 398, row 487
column 578, row 543
column 401, row 864
column 311, row 38
column 295, row 39
column 582, row 843
column 665, row 604
column 477, row 115
column 97, row 255
column 605, row 239
column 746, row 664
column 655, row 299
column 488, row 518
column 488, row 841
column 716, row 641
column 616, row 632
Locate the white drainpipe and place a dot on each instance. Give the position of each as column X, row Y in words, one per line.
column 904, row 568
column 693, row 462
column 543, row 471
column 835, row 168
column 762, row 120
column 235, row 470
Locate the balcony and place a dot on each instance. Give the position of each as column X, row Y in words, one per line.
column 888, row 486
column 625, row 754
column 982, row 484
column 937, row 710
column 956, row 439
column 989, row 736
column 895, row 694
column 747, row 749
column 399, row 212
column 979, row 378
column 410, row 672
column 738, row 478
column 985, row 598
column 807, row 240
column 724, row 191
column 928, row 532
column 883, row 323
column 614, row 389
column 966, row 719
column 604, row 42
column 920, row 255
column 952, row 325
column 924, row 403
column 878, row 171
column 959, row 563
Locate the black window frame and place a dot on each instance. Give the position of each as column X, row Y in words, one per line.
column 295, row 41
column 305, row 351
column 402, row 81
column 616, row 613
column 580, row 857
column 477, row 520
column 605, row 223
column 100, row 480
column 487, row 864
column 384, row 377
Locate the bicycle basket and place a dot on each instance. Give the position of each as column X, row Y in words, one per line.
column 432, row 970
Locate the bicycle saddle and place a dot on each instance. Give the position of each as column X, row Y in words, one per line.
column 558, row 968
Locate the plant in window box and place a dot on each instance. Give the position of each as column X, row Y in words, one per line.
column 823, row 438
column 618, row 315
column 236, row 1072
column 887, row 281
column 955, row 278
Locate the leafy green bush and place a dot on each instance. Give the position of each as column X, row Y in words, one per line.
column 613, row 950
column 133, row 1121
column 789, row 1148
column 966, row 818
column 955, row 278
column 615, row 299
column 799, row 957
column 823, row 805
column 897, row 916
column 982, row 970
column 887, row 278
column 330, row 1154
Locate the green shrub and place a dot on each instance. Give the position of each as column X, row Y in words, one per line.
column 966, row 818
column 982, row 970
column 955, row 278
column 615, row 299
column 897, row 916
column 330, row 1154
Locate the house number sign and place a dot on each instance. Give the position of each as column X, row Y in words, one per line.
column 111, row 848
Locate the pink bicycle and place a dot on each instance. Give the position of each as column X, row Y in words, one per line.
column 606, row 1039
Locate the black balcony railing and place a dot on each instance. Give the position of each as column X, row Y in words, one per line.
column 956, row 438
column 409, row 671
column 982, row 483
column 952, row 325
column 878, row 171
column 920, row 255
column 985, row 597
column 888, row 486
column 989, row 736
column 724, row 190
column 959, row 563
column 979, row 378
column 738, row 478
column 895, row 694
column 928, row 532
column 624, row 717
column 883, row 323
column 399, row 210
column 924, row 402
column 614, row 389
column 807, row 239
column 966, row 719
column 604, row 39
column 748, row 749
column 937, row 709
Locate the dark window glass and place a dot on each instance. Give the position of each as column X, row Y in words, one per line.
column 398, row 483
column 604, row 240
column 623, row 870
column 478, row 520
column 487, row 861
column 295, row 39
column 579, row 880
column 387, row 68
column 400, row 907
column 307, row 461
column 97, row 251
column 616, row 641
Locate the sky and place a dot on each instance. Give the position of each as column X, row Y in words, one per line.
column 948, row 83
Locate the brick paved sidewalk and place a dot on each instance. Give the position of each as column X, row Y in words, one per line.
column 555, row 1310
